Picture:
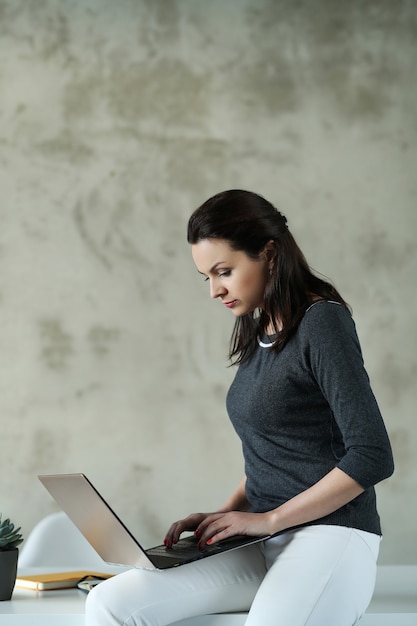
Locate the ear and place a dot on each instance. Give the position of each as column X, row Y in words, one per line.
column 269, row 253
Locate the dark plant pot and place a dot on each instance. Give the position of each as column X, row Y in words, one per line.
column 8, row 571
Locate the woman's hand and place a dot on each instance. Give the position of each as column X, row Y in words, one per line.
column 200, row 523
column 189, row 523
column 217, row 526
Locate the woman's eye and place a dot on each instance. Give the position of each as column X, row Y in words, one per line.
column 220, row 274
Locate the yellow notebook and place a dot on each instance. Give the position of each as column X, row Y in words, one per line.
column 58, row 580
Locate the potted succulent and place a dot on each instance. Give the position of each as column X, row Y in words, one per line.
column 10, row 539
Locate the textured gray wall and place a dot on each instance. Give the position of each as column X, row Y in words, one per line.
column 117, row 119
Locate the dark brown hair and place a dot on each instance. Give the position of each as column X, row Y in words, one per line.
column 248, row 222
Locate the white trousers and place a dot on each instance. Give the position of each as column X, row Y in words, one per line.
column 315, row 576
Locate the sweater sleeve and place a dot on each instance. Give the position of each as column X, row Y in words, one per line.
column 334, row 357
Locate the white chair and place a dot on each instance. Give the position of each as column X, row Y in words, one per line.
column 55, row 542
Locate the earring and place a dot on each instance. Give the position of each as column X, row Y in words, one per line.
column 270, row 271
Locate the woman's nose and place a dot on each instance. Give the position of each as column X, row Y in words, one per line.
column 217, row 289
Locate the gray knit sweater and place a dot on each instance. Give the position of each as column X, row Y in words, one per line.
column 307, row 409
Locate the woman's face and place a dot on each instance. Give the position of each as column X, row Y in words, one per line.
column 235, row 278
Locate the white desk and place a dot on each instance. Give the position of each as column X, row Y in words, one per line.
column 394, row 604
column 43, row 608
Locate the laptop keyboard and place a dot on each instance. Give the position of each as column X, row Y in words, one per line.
column 185, row 548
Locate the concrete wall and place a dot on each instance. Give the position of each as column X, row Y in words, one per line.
column 117, row 120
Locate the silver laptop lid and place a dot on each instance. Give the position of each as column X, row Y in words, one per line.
column 95, row 519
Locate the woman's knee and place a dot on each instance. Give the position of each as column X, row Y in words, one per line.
column 104, row 605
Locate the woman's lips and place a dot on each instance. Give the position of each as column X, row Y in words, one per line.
column 230, row 304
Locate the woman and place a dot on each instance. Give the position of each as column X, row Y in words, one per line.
column 313, row 440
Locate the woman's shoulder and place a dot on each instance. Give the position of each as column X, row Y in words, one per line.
column 321, row 306
column 328, row 327
column 327, row 315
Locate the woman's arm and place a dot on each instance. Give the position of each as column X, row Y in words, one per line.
column 333, row 354
column 329, row 494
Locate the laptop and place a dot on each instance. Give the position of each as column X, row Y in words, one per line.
column 112, row 540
